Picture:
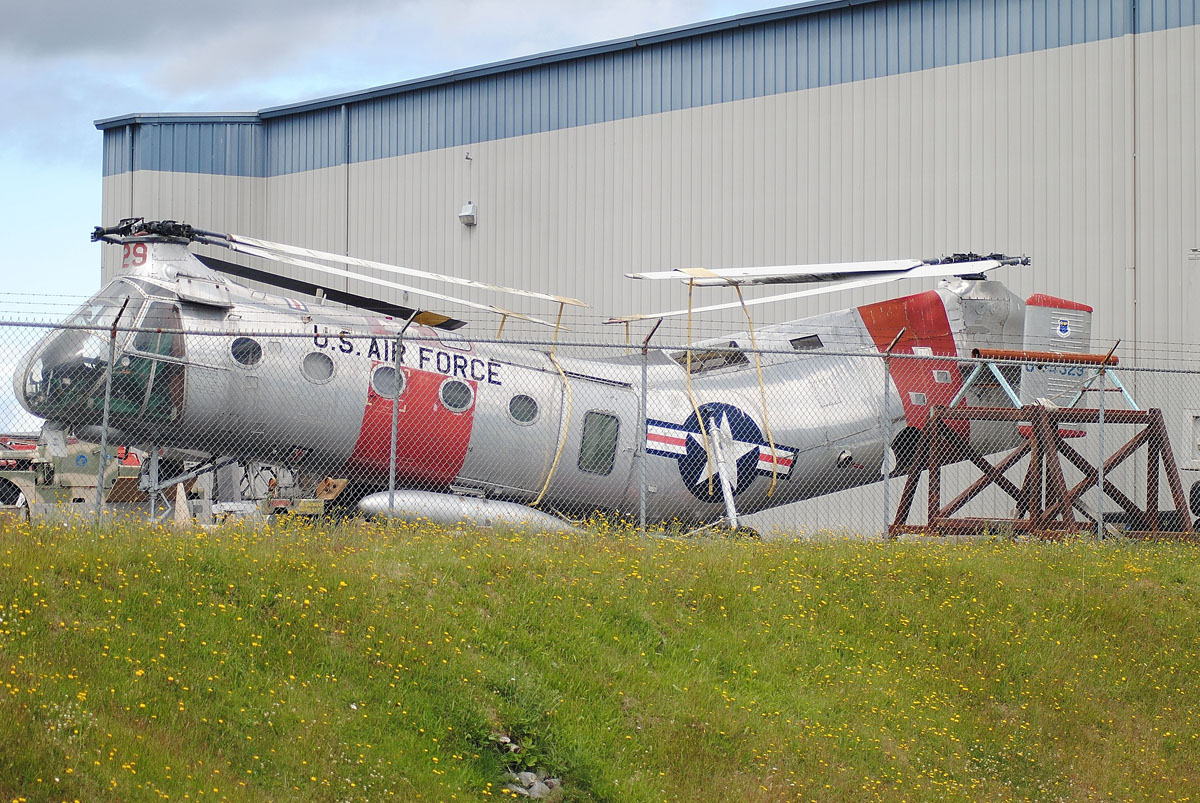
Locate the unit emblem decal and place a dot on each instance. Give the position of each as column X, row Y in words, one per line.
column 1064, row 327
column 742, row 442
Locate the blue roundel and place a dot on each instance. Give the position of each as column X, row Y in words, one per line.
column 694, row 466
column 81, row 460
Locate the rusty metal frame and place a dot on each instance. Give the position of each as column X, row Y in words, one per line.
column 1045, row 506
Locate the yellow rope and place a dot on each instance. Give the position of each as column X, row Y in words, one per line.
column 691, row 397
column 566, row 424
column 762, row 391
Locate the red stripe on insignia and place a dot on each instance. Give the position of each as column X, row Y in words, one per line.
column 654, row 436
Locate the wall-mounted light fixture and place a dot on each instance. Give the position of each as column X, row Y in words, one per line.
column 467, row 215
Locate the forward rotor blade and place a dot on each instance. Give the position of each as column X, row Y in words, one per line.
column 921, row 271
column 304, row 263
column 780, row 274
column 310, row 253
column 423, row 317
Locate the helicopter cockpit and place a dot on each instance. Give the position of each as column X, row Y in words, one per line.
column 64, row 377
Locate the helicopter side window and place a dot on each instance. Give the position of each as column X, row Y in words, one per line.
column 522, row 408
column 806, row 343
column 711, row 360
column 456, row 396
column 246, row 351
column 384, row 382
column 317, row 366
column 598, row 445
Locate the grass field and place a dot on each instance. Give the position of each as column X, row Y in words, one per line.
column 357, row 662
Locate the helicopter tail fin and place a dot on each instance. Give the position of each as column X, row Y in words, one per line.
column 1054, row 325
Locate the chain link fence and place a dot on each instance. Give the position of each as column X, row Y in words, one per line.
column 210, row 423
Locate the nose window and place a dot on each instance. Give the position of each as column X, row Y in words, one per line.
column 65, row 375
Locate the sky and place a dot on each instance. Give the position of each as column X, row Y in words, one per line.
column 67, row 63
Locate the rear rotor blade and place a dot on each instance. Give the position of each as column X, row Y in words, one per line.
column 920, row 271
column 780, row 274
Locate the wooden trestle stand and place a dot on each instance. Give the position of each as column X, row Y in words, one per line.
column 1045, row 507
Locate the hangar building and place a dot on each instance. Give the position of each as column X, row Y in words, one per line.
column 826, row 131
column 816, row 132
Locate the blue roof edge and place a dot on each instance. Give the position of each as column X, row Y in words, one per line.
column 521, row 62
column 178, row 117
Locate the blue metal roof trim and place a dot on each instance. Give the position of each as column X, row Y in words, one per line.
column 787, row 49
column 178, row 117
column 570, row 53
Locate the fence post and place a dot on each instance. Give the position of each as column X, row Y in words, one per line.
column 102, row 461
column 395, row 429
column 643, row 416
column 1100, row 463
column 642, row 447
column 398, row 367
column 884, row 466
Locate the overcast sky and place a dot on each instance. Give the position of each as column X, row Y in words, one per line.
column 67, row 63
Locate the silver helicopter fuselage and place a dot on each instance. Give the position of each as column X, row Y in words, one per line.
column 207, row 365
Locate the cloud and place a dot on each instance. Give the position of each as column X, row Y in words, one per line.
column 66, row 65
column 137, row 31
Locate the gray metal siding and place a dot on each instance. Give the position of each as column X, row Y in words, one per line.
column 116, row 151
column 214, row 148
column 1031, row 153
column 302, row 142
column 804, row 51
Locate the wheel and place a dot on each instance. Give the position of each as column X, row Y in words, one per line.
column 12, row 496
column 1194, row 499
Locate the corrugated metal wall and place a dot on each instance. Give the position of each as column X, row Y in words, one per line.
column 1030, row 152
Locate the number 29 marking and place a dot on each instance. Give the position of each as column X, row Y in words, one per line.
column 133, row 256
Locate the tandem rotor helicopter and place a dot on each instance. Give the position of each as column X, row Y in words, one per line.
column 208, row 367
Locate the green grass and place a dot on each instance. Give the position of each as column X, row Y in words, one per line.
column 356, row 663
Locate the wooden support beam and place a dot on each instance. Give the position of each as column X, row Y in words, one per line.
column 1046, row 506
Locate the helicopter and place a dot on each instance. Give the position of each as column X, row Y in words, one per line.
column 491, row 431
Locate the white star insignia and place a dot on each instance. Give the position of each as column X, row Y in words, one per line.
column 733, row 449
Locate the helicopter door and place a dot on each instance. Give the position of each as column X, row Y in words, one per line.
column 598, row 456
column 148, row 377
column 515, row 433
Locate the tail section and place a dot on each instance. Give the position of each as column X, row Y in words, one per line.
column 1060, row 326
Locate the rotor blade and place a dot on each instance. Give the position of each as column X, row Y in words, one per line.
column 921, row 271
column 303, row 263
column 780, row 274
column 267, row 245
column 423, row 317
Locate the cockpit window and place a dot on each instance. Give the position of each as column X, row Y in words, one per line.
column 66, row 372
column 99, row 312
